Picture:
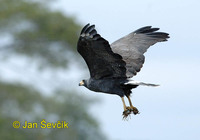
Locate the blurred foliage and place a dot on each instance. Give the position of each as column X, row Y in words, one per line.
column 48, row 36
column 38, row 31
column 19, row 103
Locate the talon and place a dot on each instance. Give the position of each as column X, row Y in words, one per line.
column 128, row 110
column 126, row 113
column 133, row 109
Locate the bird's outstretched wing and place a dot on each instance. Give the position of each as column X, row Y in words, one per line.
column 100, row 59
column 134, row 45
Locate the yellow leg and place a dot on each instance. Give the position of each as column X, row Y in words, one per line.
column 124, row 105
column 129, row 101
column 126, row 111
column 132, row 108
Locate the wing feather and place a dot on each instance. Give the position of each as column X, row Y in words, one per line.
column 133, row 46
column 99, row 57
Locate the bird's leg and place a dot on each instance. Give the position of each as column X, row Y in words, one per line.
column 132, row 108
column 126, row 110
column 124, row 105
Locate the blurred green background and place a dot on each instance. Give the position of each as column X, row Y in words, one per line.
column 32, row 31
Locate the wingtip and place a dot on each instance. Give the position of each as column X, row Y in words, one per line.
column 149, row 30
column 89, row 31
column 141, row 30
column 85, row 28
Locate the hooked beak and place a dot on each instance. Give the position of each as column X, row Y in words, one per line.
column 81, row 83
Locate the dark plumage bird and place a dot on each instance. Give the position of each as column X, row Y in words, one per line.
column 111, row 66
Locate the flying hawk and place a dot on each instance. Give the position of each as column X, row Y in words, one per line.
column 112, row 65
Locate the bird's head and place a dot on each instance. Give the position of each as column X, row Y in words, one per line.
column 82, row 83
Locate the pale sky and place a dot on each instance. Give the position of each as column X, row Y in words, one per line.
column 170, row 111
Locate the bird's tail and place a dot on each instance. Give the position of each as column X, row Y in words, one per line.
column 138, row 83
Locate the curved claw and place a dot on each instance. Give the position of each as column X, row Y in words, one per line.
column 126, row 113
column 130, row 110
column 133, row 109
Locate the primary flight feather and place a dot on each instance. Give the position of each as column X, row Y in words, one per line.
column 111, row 66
